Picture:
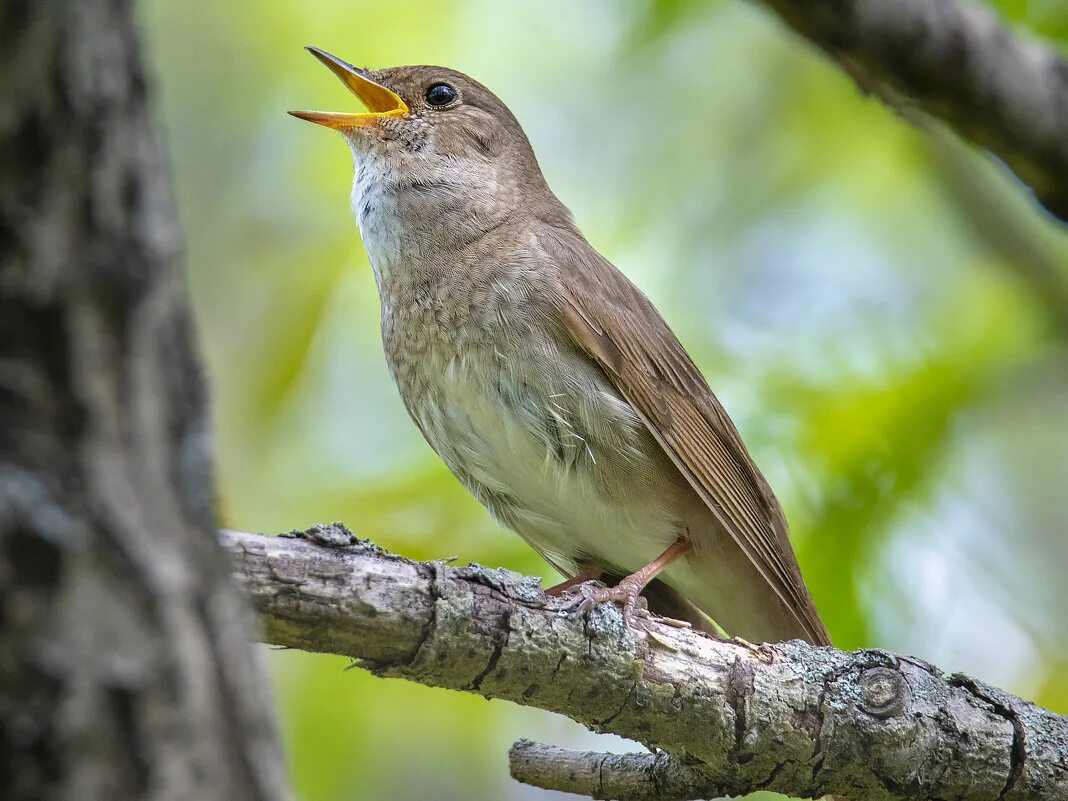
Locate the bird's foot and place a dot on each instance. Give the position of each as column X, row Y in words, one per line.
column 626, row 593
column 588, row 574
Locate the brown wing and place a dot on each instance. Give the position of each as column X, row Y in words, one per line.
column 616, row 324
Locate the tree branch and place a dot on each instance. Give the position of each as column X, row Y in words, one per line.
column 726, row 718
column 639, row 777
column 954, row 60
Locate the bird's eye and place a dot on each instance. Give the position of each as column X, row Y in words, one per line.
column 440, row 94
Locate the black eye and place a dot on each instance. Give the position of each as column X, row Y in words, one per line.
column 440, row 94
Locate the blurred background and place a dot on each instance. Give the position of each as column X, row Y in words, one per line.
column 883, row 312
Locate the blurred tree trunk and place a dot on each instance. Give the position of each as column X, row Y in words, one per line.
column 124, row 666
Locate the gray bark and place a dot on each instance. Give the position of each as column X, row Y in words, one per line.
column 954, row 60
column 124, row 667
column 727, row 718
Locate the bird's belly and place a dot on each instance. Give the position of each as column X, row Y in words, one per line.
column 568, row 467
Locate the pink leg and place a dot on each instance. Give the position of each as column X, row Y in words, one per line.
column 587, row 574
column 627, row 591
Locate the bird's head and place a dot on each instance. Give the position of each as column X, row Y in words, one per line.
column 439, row 132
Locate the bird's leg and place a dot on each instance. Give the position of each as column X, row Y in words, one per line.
column 588, row 573
column 627, row 590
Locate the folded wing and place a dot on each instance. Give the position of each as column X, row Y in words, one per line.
column 607, row 316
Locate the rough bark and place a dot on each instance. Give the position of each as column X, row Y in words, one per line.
column 954, row 60
column 124, row 666
column 727, row 718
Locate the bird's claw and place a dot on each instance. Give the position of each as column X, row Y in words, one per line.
column 626, row 593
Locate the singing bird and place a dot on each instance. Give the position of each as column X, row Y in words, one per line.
column 544, row 379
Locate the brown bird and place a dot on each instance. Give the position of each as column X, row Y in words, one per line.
column 545, row 380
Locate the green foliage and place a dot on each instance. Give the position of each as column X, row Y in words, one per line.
column 876, row 446
column 876, row 309
column 1045, row 18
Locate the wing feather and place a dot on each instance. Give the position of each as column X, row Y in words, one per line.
column 608, row 317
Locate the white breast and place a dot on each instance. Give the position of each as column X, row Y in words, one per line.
column 536, row 434
column 567, row 472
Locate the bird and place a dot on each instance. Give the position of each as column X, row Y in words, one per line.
column 546, row 381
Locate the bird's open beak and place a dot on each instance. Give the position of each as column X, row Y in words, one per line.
column 380, row 101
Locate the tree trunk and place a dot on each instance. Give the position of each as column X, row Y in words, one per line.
column 124, row 666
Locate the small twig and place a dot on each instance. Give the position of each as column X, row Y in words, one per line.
column 625, row 777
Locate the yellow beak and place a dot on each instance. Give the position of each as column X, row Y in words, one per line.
column 380, row 101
